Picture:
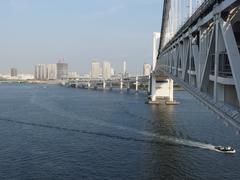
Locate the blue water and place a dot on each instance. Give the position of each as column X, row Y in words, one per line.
column 53, row 132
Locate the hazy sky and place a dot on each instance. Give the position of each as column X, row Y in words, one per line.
column 42, row 31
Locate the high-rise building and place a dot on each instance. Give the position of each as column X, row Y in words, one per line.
column 45, row 72
column 106, row 70
column 147, row 69
column 36, row 72
column 62, row 70
column 51, row 71
column 13, row 72
column 95, row 69
column 41, row 72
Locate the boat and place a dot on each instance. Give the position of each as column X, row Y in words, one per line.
column 172, row 102
column 227, row 149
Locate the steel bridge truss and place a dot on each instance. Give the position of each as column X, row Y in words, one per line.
column 204, row 54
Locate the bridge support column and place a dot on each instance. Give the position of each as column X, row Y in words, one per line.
column 121, row 83
column 104, row 84
column 154, row 91
column 161, row 90
column 136, row 83
column 149, row 85
column 170, row 83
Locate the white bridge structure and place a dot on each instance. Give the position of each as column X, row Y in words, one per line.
column 133, row 82
column 201, row 54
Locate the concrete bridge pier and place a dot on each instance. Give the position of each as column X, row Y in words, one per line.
column 161, row 90
column 121, row 84
column 136, row 83
column 170, row 91
column 89, row 85
column 149, row 85
column 104, row 84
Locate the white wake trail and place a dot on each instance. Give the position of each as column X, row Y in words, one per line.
column 165, row 139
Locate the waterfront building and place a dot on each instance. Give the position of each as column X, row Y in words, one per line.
column 95, row 69
column 62, row 70
column 40, row 72
column 51, row 71
column 106, row 70
column 13, row 72
column 25, row 76
column 45, row 72
column 147, row 69
column 18, row 77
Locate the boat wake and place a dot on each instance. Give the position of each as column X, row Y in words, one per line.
column 189, row 143
column 170, row 139
column 146, row 136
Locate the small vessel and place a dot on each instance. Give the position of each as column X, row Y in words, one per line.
column 226, row 149
column 172, row 102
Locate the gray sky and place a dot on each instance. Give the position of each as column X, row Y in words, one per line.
column 42, row 31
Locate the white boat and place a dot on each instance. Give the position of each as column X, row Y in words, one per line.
column 227, row 149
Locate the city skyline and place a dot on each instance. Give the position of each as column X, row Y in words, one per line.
column 122, row 69
column 30, row 37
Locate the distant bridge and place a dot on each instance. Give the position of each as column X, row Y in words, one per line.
column 203, row 55
column 118, row 82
